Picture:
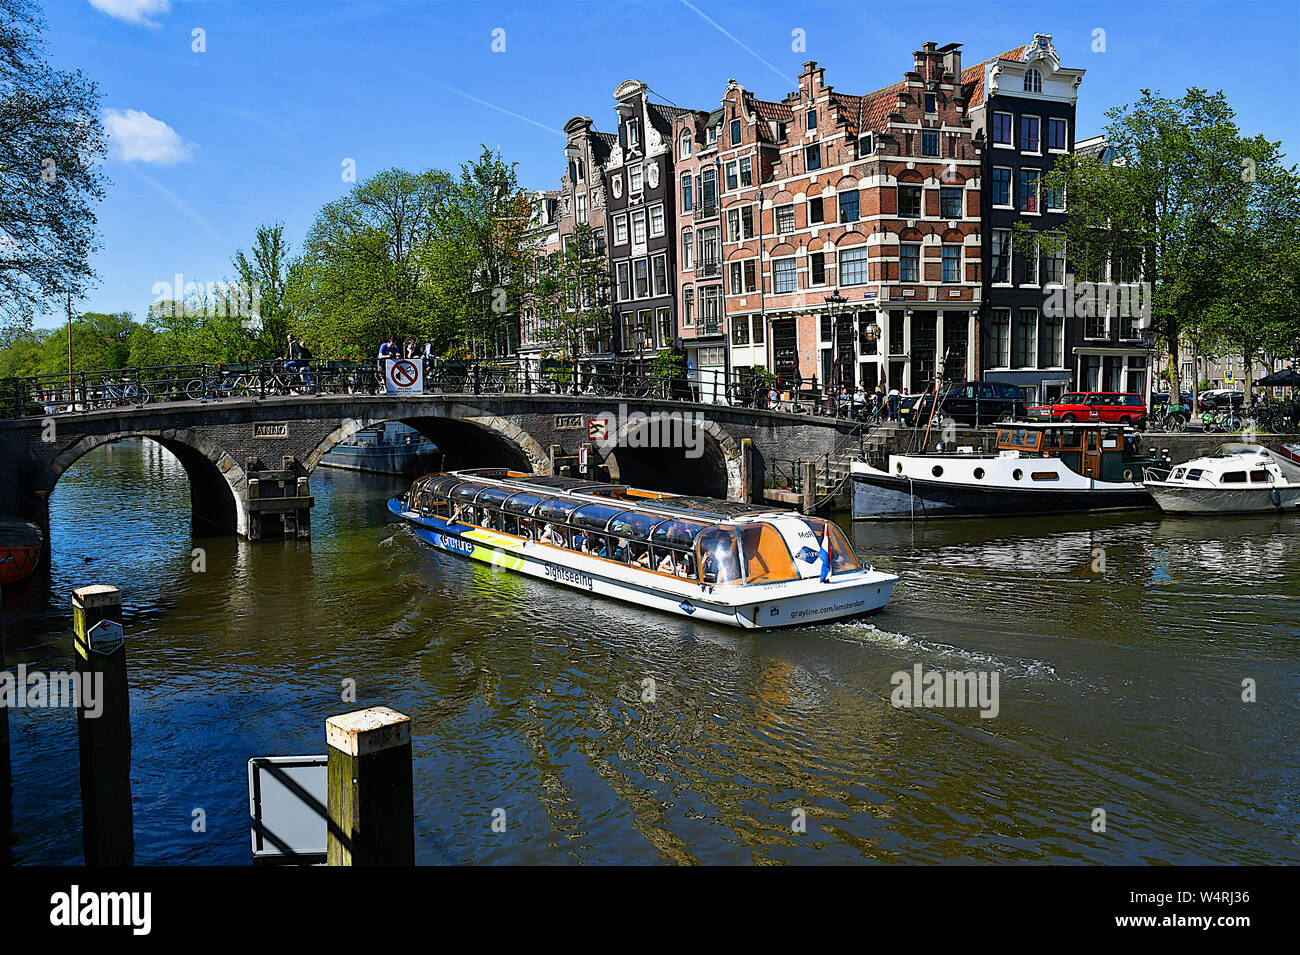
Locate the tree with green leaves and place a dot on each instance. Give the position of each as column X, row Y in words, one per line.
column 571, row 296
column 360, row 277
column 479, row 256
column 263, row 279
column 1256, row 313
column 1180, row 166
column 51, row 142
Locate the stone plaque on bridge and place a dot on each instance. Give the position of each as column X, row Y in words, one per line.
column 271, row 429
column 564, row 421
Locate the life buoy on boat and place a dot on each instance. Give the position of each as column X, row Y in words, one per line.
column 1276, row 495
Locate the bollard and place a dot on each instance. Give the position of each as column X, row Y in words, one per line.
column 371, row 800
column 809, row 486
column 747, row 470
column 104, row 742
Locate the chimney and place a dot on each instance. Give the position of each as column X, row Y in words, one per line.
column 952, row 61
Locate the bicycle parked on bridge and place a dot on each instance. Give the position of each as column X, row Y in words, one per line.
column 122, row 391
column 232, row 382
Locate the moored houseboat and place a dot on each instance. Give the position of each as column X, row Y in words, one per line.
column 1034, row 469
column 388, row 448
column 737, row 564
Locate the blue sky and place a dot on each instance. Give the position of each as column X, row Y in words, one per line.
column 206, row 146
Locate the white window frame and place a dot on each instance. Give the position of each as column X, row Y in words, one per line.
column 620, row 229
column 635, row 179
column 638, row 216
column 657, row 215
column 1011, row 126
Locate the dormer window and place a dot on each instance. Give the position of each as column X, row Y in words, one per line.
column 633, row 132
column 812, row 119
column 735, row 132
column 1033, row 81
column 864, row 145
column 931, row 103
column 685, row 149
column 713, row 133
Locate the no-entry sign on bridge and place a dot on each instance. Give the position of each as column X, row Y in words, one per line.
column 404, row 376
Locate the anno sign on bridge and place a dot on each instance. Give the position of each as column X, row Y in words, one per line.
column 404, row 376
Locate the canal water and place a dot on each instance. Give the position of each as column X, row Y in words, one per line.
column 1121, row 646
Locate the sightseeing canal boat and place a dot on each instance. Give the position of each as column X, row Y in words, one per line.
column 1035, row 469
column 737, row 564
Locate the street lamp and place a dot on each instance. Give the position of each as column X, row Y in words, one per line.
column 834, row 301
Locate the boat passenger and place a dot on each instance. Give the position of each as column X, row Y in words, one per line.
column 640, row 555
column 457, row 513
column 489, row 520
column 525, row 528
column 666, row 564
column 580, row 542
column 552, row 536
column 620, row 549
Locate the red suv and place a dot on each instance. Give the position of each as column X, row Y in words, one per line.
column 1109, row 406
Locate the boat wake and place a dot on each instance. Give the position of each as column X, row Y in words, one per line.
column 870, row 633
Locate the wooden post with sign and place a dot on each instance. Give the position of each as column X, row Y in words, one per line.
column 103, row 733
column 747, row 470
column 371, row 799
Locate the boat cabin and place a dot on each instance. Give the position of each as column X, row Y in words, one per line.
column 1234, row 469
column 702, row 540
column 1103, row 452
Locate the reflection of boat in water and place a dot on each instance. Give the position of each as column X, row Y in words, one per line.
column 740, row 564
column 1037, row 469
column 389, row 448
column 1240, row 480
column 20, row 550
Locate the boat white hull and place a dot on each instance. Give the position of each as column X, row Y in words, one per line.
column 1184, row 499
column 792, row 603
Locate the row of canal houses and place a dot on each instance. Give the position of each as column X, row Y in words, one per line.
column 851, row 238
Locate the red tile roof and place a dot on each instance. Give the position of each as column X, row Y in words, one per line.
column 972, row 79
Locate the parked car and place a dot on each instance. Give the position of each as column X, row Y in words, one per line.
column 971, row 402
column 1115, row 407
column 1161, row 398
column 1220, row 398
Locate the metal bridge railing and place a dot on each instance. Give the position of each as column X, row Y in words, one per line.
column 83, row 391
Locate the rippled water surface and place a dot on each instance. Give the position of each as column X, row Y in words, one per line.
column 1121, row 644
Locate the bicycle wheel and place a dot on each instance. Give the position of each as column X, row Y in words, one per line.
column 137, row 394
column 195, row 389
column 1177, row 422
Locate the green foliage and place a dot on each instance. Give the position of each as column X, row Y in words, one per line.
column 99, row 341
column 570, row 296
column 265, row 279
column 51, row 141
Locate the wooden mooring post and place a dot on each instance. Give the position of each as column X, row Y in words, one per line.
column 103, row 733
column 371, row 797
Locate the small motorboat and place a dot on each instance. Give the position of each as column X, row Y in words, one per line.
column 388, row 448
column 1240, row 480
column 20, row 550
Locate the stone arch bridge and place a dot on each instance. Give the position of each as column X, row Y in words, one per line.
column 250, row 460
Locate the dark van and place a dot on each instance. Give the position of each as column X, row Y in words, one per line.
column 972, row 402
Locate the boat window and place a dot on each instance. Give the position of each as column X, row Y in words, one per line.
column 594, row 517
column 1261, row 477
column 843, row 559
column 493, row 497
column 718, row 558
column 1195, row 474
column 634, row 552
column 1232, row 477
column 670, row 560
column 548, row 532
column 765, row 556
column 523, row 503
column 634, row 526
column 467, row 492
column 557, row 509
column 1178, row 473
column 597, row 545
column 677, row 533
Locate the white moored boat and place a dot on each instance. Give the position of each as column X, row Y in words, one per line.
column 737, row 564
column 1243, row 480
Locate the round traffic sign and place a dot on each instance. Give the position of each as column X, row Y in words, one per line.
column 404, row 373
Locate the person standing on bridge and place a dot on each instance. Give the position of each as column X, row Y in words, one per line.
column 386, row 351
column 298, row 362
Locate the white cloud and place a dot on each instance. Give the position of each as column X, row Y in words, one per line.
column 135, row 135
column 132, row 11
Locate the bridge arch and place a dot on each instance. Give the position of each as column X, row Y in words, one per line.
column 217, row 482
column 642, row 460
column 451, row 427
